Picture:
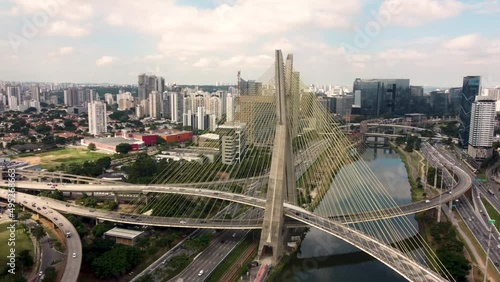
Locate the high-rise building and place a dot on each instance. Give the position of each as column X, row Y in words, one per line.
column 470, row 89
column 440, row 102
column 382, row 96
column 232, row 143
column 176, row 107
column 201, row 119
column 149, row 83
column 108, row 98
column 482, row 125
column 230, row 107
column 166, row 110
column 455, row 100
column 416, row 91
column 155, row 105
column 71, row 96
column 98, row 120
column 216, row 107
column 124, row 101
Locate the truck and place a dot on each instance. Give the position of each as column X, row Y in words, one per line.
column 68, row 234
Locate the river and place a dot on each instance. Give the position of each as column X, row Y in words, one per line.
column 323, row 257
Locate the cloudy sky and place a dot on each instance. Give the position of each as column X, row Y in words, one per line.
column 432, row 42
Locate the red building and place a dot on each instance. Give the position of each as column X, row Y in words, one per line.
column 148, row 139
column 177, row 136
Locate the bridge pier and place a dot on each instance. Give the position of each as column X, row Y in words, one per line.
column 116, row 197
column 70, row 195
column 281, row 183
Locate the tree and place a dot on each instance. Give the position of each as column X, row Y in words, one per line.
column 26, row 259
column 50, row 274
column 30, row 110
column 100, row 229
column 123, row 148
column 91, row 147
column 38, row 232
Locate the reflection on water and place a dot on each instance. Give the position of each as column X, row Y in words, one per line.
column 323, row 257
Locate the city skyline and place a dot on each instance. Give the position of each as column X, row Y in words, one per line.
column 434, row 43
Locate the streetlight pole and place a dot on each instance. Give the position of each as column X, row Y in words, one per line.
column 440, row 192
column 491, row 222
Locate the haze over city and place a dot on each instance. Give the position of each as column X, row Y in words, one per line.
column 434, row 43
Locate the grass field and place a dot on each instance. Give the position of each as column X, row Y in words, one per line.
column 52, row 159
column 23, row 242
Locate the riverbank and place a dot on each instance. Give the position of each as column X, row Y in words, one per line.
column 415, row 168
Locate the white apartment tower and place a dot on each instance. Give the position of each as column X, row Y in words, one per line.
column 155, row 103
column 98, row 120
column 176, row 103
column 482, row 124
column 230, row 107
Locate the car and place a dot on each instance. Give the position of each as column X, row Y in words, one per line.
column 496, row 263
column 55, row 218
column 40, row 273
column 470, row 219
column 38, row 208
column 200, row 273
column 234, row 235
column 182, row 222
column 74, row 255
column 449, row 192
column 44, row 208
column 91, row 210
column 222, row 241
column 60, row 224
column 427, row 201
column 67, row 205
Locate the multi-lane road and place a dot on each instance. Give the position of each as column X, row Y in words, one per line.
column 73, row 244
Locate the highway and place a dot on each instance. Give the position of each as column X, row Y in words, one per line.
column 211, row 257
column 73, row 244
column 480, row 230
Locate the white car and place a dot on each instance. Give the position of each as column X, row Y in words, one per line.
column 182, row 222
column 427, row 201
column 74, row 255
column 200, row 273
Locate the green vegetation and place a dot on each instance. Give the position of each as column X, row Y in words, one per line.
column 50, row 274
column 492, row 212
column 57, row 195
column 145, row 169
column 88, row 168
column 449, row 249
column 121, row 116
column 431, row 173
column 123, row 148
column 54, row 158
column 94, row 202
column 101, row 228
column 24, row 251
column 450, row 129
column 116, row 262
column 91, row 147
column 412, row 142
column 175, row 266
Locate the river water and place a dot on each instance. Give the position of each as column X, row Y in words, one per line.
column 323, row 257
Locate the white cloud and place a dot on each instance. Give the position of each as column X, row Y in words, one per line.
column 189, row 31
column 105, row 60
column 62, row 51
column 64, row 28
column 467, row 42
column 411, row 13
column 401, row 54
column 65, row 9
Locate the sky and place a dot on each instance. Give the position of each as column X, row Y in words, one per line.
column 431, row 42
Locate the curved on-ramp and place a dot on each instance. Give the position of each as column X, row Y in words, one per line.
column 73, row 244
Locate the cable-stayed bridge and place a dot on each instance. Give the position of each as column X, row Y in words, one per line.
column 281, row 156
